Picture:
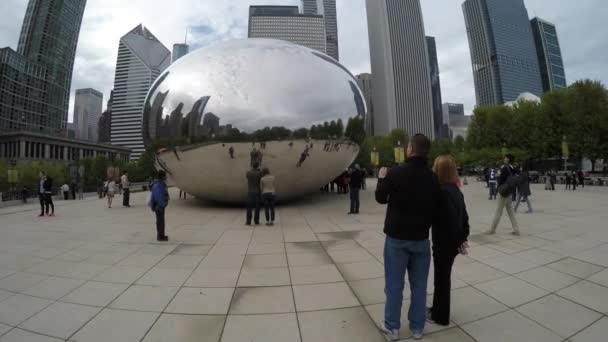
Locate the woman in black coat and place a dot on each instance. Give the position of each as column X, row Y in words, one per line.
column 450, row 236
column 524, row 192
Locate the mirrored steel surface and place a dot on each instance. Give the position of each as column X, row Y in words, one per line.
column 222, row 107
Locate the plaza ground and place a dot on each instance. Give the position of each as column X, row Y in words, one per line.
column 93, row 274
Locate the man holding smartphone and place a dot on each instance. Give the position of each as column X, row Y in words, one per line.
column 413, row 195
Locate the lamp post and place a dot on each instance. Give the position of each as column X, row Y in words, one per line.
column 565, row 152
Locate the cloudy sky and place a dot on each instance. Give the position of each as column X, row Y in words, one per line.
column 581, row 26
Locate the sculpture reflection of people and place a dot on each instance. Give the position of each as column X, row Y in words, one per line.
column 256, row 157
column 268, row 195
column 253, row 194
column 231, row 152
column 356, row 177
column 159, row 199
column 449, row 237
column 303, row 157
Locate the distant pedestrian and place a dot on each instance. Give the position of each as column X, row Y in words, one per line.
column 507, row 184
column 253, row 194
column 268, row 195
column 303, row 157
column 41, row 197
column 110, row 191
column 73, row 187
column 182, row 192
column 231, row 152
column 568, row 181
column 25, row 193
column 65, row 188
column 573, row 177
column 159, row 199
column 492, row 181
column 48, row 196
column 356, row 178
column 581, row 178
column 100, row 185
column 524, row 192
column 126, row 189
column 553, row 176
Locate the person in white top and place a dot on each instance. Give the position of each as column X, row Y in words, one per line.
column 124, row 182
column 110, row 190
column 66, row 191
column 268, row 195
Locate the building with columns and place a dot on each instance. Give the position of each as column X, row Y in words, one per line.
column 26, row 145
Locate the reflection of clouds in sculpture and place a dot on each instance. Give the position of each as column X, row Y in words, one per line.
column 251, row 84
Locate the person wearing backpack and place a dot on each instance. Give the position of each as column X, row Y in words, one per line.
column 450, row 237
column 507, row 185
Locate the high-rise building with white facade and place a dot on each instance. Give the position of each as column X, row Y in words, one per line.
column 286, row 23
column 179, row 51
column 364, row 81
column 141, row 59
column 87, row 111
column 400, row 65
column 326, row 8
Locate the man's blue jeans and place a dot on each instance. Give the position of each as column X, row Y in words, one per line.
column 415, row 257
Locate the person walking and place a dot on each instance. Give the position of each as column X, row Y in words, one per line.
column 159, row 199
column 573, row 177
column 450, row 237
column 110, row 191
column 65, row 188
column 413, row 195
column 553, row 176
column 253, row 194
column 24, row 194
column 268, row 195
column 48, row 196
column 356, row 178
column 568, row 181
column 126, row 192
column 523, row 191
column 492, row 183
column 505, row 189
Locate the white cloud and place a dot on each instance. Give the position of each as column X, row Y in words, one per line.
column 580, row 25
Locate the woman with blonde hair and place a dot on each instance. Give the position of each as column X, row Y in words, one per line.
column 449, row 237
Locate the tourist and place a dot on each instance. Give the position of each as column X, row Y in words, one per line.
column 253, row 194
column 573, row 177
column 231, row 152
column 159, row 199
column 449, row 237
column 581, row 178
column 356, row 178
column 507, row 184
column 65, row 188
column 414, row 196
column 492, row 183
column 568, row 181
column 100, row 186
column 553, row 179
column 268, row 195
column 48, row 196
column 24, row 194
column 523, row 191
column 110, row 190
column 126, row 193
column 41, row 196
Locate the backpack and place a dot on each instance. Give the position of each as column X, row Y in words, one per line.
column 510, row 185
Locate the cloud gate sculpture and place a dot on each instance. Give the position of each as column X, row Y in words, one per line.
column 216, row 111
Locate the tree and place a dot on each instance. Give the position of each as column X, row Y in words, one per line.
column 340, row 128
column 398, row 136
column 355, row 130
column 301, row 133
column 459, row 143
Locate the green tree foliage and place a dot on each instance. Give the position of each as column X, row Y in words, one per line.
column 355, row 130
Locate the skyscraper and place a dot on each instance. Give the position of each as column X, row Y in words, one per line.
column 549, row 54
column 87, row 111
column 441, row 127
column 503, row 53
column 141, row 59
column 286, row 23
column 104, row 128
column 36, row 80
column 364, row 81
column 179, row 51
column 402, row 87
column 326, row 8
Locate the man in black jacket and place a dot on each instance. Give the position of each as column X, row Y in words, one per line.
column 505, row 202
column 413, row 195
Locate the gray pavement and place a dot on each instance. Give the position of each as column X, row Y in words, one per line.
column 94, row 274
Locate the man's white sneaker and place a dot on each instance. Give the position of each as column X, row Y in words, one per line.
column 417, row 335
column 391, row 334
